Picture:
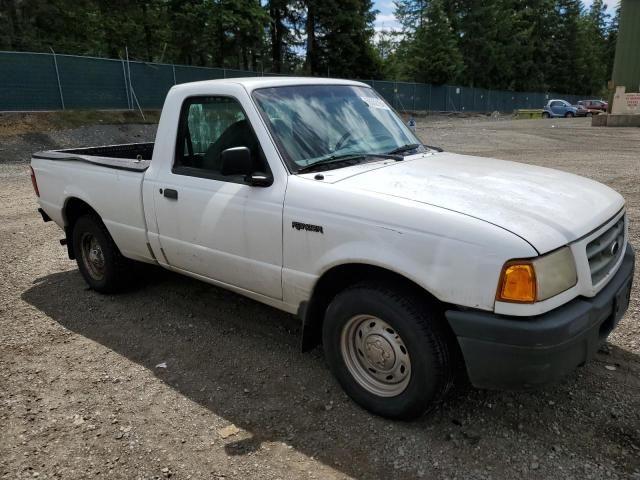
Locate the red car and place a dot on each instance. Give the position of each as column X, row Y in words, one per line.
column 583, row 111
column 599, row 105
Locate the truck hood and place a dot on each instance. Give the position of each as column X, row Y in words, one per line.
column 547, row 208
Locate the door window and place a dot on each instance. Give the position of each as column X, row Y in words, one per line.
column 207, row 127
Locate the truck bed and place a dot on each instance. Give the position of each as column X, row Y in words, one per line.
column 131, row 156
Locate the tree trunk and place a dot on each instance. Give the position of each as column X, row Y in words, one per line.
column 254, row 60
column 277, row 31
column 310, row 26
column 221, row 45
column 147, row 32
column 245, row 58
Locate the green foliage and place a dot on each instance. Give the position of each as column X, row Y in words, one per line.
column 612, row 38
column 533, row 29
column 593, row 49
column 247, row 34
column 285, row 18
column 343, row 39
column 524, row 45
column 387, row 45
column 410, row 14
column 228, row 33
column 434, row 54
column 566, row 51
column 486, row 29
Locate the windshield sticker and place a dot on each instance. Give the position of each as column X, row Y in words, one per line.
column 374, row 102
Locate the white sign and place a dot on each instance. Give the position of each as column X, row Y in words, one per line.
column 374, row 102
column 633, row 100
column 625, row 103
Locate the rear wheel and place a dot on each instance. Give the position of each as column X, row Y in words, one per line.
column 388, row 349
column 589, row 114
column 545, row 115
column 99, row 260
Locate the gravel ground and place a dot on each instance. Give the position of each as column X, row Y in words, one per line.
column 181, row 379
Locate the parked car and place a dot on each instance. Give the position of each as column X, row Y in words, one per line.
column 559, row 108
column 312, row 196
column 583, row 111
column 599, row 105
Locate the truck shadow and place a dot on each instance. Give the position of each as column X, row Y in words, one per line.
column 241, row 360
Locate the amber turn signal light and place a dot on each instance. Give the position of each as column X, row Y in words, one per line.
column 34, row 182
column 517, row 283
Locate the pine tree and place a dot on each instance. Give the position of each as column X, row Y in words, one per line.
column 280, row 33
column 526, row 45
column 191, row 35
column 565, row 75
column 612, row 39
column 387, row 45
column 593, row 49
column 433, row 55
column 533, row 30
column 410, row 14
column 482, row 26
column 340, row 39
column 139, row 25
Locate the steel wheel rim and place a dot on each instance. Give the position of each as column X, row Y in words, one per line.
column 375, row 355
column 92, row 255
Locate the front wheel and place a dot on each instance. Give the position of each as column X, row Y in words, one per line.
column 388, row 349
column 589, row 114
column 569, row 115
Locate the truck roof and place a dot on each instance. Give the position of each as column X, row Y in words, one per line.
column 252, row 83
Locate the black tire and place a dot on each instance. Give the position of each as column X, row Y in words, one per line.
column 545, row 115
column 569, row 115
column 589, row 114
column 418, row 323
column 116, row 272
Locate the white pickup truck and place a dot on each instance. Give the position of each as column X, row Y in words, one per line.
column 404, row 261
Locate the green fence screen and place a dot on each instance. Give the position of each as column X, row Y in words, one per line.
column 44, row 81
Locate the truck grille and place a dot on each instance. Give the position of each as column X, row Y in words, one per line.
column 604, row 251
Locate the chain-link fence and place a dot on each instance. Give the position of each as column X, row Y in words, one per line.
column 405, row 96
column 46, row 81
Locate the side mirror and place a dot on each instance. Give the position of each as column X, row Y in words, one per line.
column 236, row 161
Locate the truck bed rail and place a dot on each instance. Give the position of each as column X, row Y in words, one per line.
column 133, row 156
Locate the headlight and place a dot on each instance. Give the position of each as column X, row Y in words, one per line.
column 529, row 281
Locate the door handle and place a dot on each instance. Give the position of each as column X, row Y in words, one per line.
column 171, row 193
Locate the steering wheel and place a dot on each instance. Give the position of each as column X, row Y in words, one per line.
column 348, row 138
column 343, row 140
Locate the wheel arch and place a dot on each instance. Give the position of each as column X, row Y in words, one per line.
column 73, row 209
column 336, row 279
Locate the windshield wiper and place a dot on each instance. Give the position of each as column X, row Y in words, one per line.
column 325, row 163
column 405, row 148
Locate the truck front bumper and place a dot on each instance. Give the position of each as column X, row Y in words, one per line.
column 515, row 353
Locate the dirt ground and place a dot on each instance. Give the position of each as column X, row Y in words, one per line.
column 181, row 379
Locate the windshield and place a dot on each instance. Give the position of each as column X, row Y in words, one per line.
column 312, row 123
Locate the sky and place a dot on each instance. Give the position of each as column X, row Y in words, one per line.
column 386, row 20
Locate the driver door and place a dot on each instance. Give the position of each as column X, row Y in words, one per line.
column 213, row 225
column 557, row 108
